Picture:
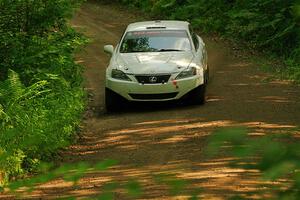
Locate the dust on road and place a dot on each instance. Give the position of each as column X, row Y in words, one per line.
column 147, row 140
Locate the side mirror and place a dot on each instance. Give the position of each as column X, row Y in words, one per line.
column 109, row 49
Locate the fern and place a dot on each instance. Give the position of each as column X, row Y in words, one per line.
column 3, row 117
column 14, row 87
column 12, row 91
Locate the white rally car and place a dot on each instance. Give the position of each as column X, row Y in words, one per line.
column 156, row 61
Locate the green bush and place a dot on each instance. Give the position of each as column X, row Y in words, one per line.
column 36, row 122
column 41, row 94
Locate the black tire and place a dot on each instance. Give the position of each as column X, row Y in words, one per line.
column 197, row 96
column 113, row 101
column 207, row 76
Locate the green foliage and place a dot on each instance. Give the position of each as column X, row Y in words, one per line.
column 41, row 97
column 276, row 157
column 34, row 35
column 175, row 185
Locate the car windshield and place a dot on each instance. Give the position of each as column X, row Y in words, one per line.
column 155, row 41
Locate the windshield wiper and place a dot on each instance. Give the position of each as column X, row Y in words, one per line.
column 169, row 50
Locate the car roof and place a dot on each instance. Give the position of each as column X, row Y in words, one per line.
column 158, row 24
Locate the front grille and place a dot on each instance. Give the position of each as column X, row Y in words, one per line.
column 154, row 96
column 152, row 79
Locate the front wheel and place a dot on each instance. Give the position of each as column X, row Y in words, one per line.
column 206, row 79
column 112, row 101
column 197, row 96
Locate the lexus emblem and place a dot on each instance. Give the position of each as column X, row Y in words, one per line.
column 152, row 79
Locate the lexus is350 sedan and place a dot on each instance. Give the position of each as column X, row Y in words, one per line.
column 156, row 61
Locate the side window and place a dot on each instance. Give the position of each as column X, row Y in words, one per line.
column 194, row 38
column 196, row 41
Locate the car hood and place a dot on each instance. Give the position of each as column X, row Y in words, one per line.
column 154, row 63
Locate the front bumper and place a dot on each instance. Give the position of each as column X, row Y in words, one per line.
column 134, row 91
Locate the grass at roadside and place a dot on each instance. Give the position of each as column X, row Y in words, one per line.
column 278, row 69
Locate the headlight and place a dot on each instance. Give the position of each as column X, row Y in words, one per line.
column 191, row 71
column 118, row 74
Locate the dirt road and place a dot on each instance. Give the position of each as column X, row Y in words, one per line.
column 151, row 139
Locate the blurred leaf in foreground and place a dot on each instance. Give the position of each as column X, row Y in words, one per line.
column 275, row 156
